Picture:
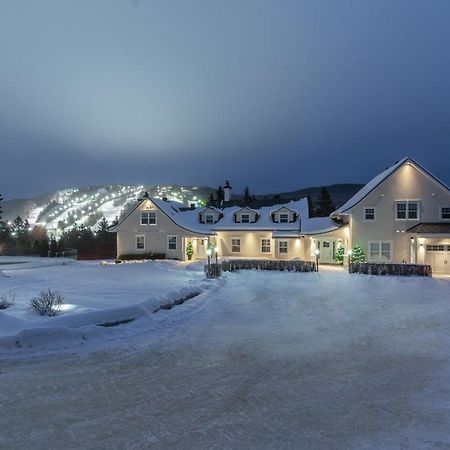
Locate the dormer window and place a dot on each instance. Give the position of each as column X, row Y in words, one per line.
column 284, row 218
column 445, row 212
column 209, row 218
column 245, row 218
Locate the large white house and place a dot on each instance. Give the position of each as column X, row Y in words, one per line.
column 402, row 215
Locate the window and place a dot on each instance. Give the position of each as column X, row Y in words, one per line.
column 437, row 248
column 445, row 212
column 171, row 242
column 235, row 245
column 148, row 217
column 325, row 244
column 407, row 210
column 245, row 218
column 380, row 251
column 140, row 242
column 369, row 213
column 284, row 217
column 209, row 218
column 283, row 247
column 265, row 245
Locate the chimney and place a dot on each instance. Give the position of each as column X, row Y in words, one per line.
column 165, row 198
column 227, row 191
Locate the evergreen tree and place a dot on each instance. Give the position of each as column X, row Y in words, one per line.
column 189, row 250
column 102, row 226
column 44, row 248
column 325, row 205
column 247, row 198
column 339, row 255
column 311, row 209
column 219, row 195
column 53, row 247
column 211, row 200
column 358, row 255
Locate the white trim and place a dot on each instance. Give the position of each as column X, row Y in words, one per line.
column 407, row 202
column 440, row 213
column 136, row 236
column 240, row 245
column 176, row 242
column 284, row 241
column 146, row 211
column 260, row 246
column 380, row 244
column 374, row 214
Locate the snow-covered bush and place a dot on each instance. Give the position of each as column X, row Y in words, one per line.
column 6, row 300
column 47, row 303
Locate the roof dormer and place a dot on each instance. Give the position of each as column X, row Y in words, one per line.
column 209, row 215
column 246, row 215
column 284, row 215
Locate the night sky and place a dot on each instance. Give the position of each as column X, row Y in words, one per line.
column 276, row 95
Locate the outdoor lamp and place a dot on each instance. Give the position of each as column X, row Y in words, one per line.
column 208, row 252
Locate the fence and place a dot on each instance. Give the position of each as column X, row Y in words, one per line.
column 230, row 265
column 391, row 269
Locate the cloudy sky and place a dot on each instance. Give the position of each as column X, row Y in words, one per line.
column 274, row 94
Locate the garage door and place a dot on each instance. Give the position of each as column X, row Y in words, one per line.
column 438, row 256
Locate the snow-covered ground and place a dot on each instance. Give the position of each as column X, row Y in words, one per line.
column 95, row 292
column 262, row 360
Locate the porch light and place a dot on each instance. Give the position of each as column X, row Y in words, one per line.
column 317, row 252
column 216, row 249
column 208, row 252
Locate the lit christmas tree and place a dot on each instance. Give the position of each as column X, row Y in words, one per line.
column 358, row 255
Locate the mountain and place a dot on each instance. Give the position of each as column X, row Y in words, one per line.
column 88, row 204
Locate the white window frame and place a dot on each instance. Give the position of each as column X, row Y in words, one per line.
column 170, row 236
column 283, row 214
column 247, row 215
column 365, row 219
column 136, row 241
column 407, row 203
column 148, row 212
column 440, row 212
column 209, row 216
column 261, row 246
column 380, row 251
column 240, row 244
column 287, row 247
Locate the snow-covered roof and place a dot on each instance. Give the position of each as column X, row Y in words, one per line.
column 189, row 219
column 375, row 182
column 369, row 187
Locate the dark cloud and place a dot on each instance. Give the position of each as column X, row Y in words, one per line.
column 274, row 95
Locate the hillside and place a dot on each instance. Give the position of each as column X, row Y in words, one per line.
column 88, row 204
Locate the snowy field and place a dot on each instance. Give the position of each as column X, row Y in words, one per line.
column 261, row 360
column 93, row 292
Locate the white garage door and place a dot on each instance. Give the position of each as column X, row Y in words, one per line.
column 438, row 256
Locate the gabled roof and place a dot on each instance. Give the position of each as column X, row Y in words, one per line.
column 206, row 208
column 375, row 182
column 278, row 207
column 248, row 209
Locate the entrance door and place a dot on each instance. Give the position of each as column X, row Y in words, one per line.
column 326, row 251
column 201, row 248
column 438, row 257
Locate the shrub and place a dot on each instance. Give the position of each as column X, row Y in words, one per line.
column 131, row 256
column 6, row 300
column 339, row 255
column 47, row 303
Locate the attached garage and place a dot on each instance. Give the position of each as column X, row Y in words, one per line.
column 434, row 245
column 438, row 257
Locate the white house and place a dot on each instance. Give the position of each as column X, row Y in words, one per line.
column 402, row 215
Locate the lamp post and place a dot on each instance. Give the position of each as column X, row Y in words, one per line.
column 216, row 250
column 317, row 252
column 349, row 253
column 208, row 252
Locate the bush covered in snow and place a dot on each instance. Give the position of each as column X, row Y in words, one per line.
column 47, row 303
column 6, row 300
